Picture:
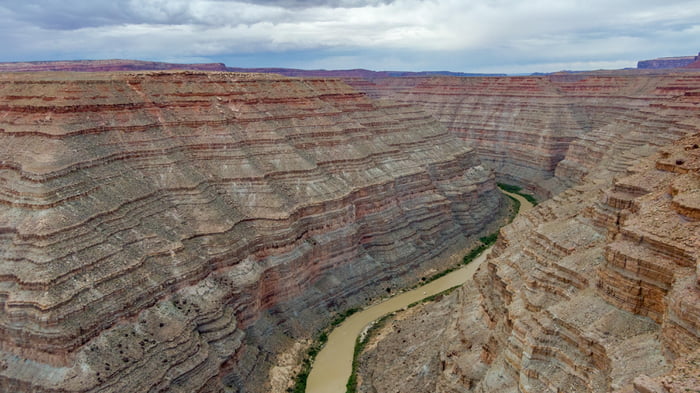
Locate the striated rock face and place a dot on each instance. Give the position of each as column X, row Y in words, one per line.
column 174, row 231
column 548, row 132
column 666, row 62
column 596, row 290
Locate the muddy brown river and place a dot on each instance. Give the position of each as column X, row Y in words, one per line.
column 333, row 364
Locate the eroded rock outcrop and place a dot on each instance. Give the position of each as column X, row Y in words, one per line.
column 172, row 231
column 596, row 290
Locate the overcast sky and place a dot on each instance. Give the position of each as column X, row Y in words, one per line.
column 458, row 35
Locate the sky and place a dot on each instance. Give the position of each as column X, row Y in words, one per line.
column 497, row 36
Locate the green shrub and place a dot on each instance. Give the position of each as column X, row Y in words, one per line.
column 517, row 190
column 509, row 188
column 344, row 315
column 490, row 239
column 475, row 252
column 436, row 296
column 351, row 385
column 516, row 208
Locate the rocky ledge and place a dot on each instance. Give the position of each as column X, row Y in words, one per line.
column 175, row 231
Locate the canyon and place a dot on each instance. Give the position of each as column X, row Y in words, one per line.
column 174, row 230
column 597, row 289
column 190, row 230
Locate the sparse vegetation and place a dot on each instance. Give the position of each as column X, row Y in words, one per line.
column 490, row 239
column 509, row 188
column 360, row 343
column 436, row 296
column 474, row 253
column 516, row 208
column 486, row 242
column 351, row 385
column 344, row 315
column 303, row 375
column 518, row 190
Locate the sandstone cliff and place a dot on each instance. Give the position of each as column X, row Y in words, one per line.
column 175, row 231
column 548, row 132
column 666, row 62
column 596, row 290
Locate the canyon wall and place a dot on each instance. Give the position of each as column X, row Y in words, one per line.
column 175, row 231
column 547, row 132
column 595, row 290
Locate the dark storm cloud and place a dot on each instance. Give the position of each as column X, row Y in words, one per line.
column 460, row 35
column 76, row 14
column 321, row 3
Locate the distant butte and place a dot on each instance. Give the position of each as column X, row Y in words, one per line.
column 668, row 62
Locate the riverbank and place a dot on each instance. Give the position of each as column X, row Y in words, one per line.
column 333, row 363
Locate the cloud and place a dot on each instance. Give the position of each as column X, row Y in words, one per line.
column 296, row 4
column 460, row 35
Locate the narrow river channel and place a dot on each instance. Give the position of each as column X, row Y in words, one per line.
column 333, row 364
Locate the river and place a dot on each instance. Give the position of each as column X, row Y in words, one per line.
column 333, row 364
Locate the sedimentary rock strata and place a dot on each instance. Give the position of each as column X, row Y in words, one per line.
column 172, row 231
column 548, row 132
column 596, row 290
column 666, row 62
column 175, row 231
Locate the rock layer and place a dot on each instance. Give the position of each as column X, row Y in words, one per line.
column 173, row 231
column 666, row 62
column 548, row 132
column 596, row 290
